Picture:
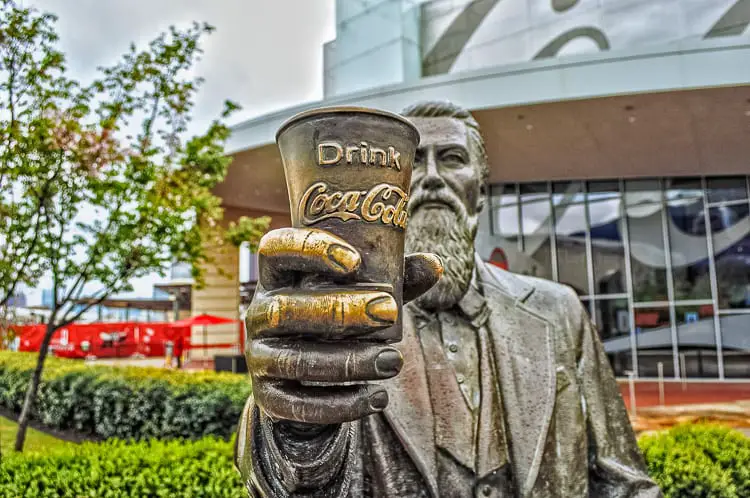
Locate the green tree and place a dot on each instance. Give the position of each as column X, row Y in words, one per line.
column 85, row 202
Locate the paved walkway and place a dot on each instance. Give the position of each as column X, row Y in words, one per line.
column 137, row 362
column 158, row 362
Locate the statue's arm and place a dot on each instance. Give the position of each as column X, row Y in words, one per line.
column 616, row 464
column 282, row 459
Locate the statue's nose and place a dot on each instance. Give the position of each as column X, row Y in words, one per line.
column 432, row 179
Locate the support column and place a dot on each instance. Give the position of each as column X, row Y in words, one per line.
column 221, row 297
column 221, row 294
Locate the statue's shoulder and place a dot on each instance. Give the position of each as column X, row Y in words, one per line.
column 546, row 298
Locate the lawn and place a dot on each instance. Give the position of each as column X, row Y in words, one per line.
column 36, row 442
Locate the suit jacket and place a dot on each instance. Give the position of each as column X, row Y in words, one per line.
column 567, row 427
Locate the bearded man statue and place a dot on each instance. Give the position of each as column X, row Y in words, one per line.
column 500, row 386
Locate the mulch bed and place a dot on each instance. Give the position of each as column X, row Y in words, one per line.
column 69, row 436
column 735, row 415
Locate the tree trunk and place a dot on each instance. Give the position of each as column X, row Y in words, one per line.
column 31, row 392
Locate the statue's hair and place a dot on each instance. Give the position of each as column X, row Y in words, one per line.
column 443, row 109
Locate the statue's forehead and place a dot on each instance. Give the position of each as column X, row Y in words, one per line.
column 438, row 131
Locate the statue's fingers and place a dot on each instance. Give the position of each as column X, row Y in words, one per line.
column 288, row 400
column 303, row 250
column 421, row 272
column 323, row 362
column 321, row 313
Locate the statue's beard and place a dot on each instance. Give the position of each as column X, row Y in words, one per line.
column 450, row 235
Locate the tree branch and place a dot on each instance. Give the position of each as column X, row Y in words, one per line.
column 8, row 292
column 84, row 274
column 30, row 250
column 107, row 291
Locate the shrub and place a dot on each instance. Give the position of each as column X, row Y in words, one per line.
column 699, row 461
column 201, row 468
column 125, row 402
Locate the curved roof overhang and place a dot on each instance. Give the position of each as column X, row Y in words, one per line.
column 681, row 110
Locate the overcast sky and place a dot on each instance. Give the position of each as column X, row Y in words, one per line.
column 265, row 54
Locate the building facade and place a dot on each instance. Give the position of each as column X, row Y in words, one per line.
column 618, row 136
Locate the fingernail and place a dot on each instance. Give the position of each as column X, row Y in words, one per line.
column 344, row 257
column 379, row 400
column 382, row 309
column 440, row 269
column 388, row 363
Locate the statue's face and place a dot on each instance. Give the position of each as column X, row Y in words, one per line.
column 445, row 199
column 445, row 167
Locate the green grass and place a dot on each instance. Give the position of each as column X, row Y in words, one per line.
column 36, row 442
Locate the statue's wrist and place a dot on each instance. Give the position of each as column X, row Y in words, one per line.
column 304, row 431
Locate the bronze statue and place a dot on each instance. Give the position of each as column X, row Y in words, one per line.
column 499, row 385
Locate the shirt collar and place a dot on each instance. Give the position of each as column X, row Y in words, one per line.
column 473, row 305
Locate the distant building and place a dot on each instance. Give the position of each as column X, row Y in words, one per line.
column 48, row 298
column 17, row 300
column 181, row 271
column 617, row 140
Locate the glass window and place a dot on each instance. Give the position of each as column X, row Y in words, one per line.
column 607, row 247
column 612, row 318
column 570, row 240
column 604, row 189
column 613, row 323
column 697, row 340
column 653, row 336
column 735, row 341
column 504, row 204
column 642, row 191
column 568, row 193
column 529, row 189
column 730, row 236
column 536, row 219
column 720, row 190
column 647, row 253
column 687, row 240
column 692, row 218
column 502, row 195
column 570, row 236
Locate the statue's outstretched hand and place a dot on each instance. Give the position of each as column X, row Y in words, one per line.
column 308, row 353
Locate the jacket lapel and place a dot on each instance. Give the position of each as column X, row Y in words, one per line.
column 524, row 353
column 523, row 348
column 409, row 410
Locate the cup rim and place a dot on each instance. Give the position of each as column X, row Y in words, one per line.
column 343, row 110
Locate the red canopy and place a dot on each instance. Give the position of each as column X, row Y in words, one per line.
column 203, row 319
column 103, row 340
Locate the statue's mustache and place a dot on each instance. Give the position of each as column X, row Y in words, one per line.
column 421, row 197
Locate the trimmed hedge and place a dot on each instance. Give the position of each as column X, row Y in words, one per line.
column 699, row 461
column 115, row 469
column 688, row 461
column 125, row 402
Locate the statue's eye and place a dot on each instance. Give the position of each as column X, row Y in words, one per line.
column 419, row 157
column 454, row 156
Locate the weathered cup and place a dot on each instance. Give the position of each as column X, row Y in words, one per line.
column 348, row 171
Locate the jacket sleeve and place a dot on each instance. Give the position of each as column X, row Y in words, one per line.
column 278, row 459
column 616, row 466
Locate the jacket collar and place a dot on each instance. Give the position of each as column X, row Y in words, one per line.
column 513, row 286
